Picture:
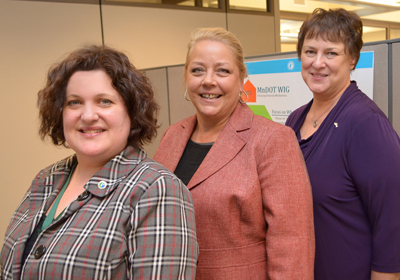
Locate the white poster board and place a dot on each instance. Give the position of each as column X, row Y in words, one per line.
column 276, row 88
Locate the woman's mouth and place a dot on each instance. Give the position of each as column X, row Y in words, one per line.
column 92, row 131
column 210, row 96
column 319, row 75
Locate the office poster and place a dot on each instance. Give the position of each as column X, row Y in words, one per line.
column 276, row 88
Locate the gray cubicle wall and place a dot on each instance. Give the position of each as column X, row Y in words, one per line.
column 395, row 59
column 170, row 93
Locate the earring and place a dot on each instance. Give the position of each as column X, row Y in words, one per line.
column 240, row 97
column 186, row 96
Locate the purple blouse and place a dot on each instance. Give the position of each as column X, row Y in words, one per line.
column 353, row 160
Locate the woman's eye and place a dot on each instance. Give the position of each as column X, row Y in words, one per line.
column 73, row 103
column 331, row 54
column 105, row 102
column 309, row 52
column 225, row 71
column 197, row 70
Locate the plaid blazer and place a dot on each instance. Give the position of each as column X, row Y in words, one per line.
column 135, row 220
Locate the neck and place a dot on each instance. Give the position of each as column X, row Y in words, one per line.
column 87, row 167
column 321, row 109
column 324, row 100
column 325, row 103
column 207, row 131
column 84, row 172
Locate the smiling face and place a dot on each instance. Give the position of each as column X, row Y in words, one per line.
column 213, row 81
column 325, row 67
column 95, row 119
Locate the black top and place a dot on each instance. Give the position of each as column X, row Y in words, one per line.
column 191, row 159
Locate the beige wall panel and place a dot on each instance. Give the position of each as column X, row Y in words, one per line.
column 154, row 37
column 396, row 86
column 180, row 108
column 374, row 36
column 33, row 36
column 255, row 32
column 277, row 22
column 380, row 75
column 158, row 78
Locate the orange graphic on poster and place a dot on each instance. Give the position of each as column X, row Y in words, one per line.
column 251, row 91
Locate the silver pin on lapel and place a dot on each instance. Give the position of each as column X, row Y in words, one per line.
column 336, row 124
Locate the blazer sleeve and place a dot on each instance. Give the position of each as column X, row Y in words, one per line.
column 288, row 212
column 162, row 240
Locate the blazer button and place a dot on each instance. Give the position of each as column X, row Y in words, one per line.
column 83, row 196
column 40, row 252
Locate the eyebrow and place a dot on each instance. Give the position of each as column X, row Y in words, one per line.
column 327, row 49
column 218, row 63
column 97, row 95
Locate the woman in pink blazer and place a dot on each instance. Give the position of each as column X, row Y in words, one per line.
column 246, row 174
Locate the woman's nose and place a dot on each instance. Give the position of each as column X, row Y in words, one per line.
column 89, row 113
column 319, row 61
column 208, row 79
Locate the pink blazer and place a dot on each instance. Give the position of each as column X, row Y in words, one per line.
column 252, row 200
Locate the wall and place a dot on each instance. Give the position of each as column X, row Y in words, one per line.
column 386, row 88
column 35, row 34
column 396, row 85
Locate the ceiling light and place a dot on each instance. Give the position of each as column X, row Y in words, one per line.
column 394, row 3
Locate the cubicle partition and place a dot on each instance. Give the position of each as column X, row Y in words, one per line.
column 394, row 99
column 168, row 86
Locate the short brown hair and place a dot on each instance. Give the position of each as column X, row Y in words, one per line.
column 131, row 84
column 337, row 25
column 220, row 35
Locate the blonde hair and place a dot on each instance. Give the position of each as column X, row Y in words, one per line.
column 219, row 35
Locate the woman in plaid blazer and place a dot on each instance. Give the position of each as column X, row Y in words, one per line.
column 108, row 211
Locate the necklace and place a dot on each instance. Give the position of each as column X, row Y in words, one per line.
column 315, row 121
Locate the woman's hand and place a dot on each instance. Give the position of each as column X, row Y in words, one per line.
column 384, row 276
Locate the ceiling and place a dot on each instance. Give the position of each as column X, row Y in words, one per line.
column 382, row 10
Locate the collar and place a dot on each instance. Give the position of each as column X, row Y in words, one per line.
column 241, row 119
column 106, row 179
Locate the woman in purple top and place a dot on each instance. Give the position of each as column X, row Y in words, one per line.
column 352, row 154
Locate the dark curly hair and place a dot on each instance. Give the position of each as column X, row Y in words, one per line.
column 337, row 25
column 131, row 84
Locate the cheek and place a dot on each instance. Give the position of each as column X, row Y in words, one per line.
column 303, row 72
column 70, row 115
column 123, row 122
column 67, row 119
column 192, row 83
column 305, row 63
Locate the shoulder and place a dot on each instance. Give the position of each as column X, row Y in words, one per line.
column 149, row 172
column 360, row 109
column 181, row 125
column 260, row 131
column 60, row 166
column 158, row 170
column 250, row 125
column 266, row 127
column 296, row 115
column 154, row 185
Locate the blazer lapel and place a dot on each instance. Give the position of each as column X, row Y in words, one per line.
column 183, row 137
column 229, row 143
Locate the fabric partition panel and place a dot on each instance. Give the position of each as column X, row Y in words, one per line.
column 396, row 86
column 158, row 78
